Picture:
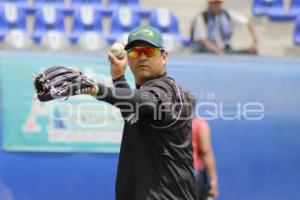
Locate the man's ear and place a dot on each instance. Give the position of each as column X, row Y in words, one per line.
column 165, row 57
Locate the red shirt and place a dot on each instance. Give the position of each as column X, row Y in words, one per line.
column 199, row 126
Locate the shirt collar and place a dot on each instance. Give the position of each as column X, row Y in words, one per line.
column 160, row 76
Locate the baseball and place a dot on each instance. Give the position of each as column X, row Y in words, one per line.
column 118, row 50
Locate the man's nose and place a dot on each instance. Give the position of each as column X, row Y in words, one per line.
column 142, row 56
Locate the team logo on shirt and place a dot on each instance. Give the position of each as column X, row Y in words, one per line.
column 132, row 119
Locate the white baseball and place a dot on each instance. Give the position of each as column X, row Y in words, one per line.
column 118, row 50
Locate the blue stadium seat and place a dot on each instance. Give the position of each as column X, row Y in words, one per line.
column 16, row 2
column 24, row 4
column 263, row 7
column 167, row 23
column 295, row 6
column 47, row 18
column 86, row 19
column 57, row 3
column 283, row 15
column 12, row 1
column 3, row 25
column 97, row 5
column 13, row 28
column 11, row 17
column 297, row 31
column 131, row 3
column 89, row 2
column 124, row 20
column 87, row 31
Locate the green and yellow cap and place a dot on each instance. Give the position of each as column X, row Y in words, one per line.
column 146, row 34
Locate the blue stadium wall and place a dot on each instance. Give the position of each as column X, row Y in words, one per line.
column 256, row 159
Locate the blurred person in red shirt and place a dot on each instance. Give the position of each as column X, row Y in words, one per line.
column 204, row 160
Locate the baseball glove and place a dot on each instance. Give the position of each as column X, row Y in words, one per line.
column 58, row 82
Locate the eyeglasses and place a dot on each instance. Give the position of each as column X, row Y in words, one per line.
column 148, row 51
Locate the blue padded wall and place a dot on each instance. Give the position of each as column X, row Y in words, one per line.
column 256, row 159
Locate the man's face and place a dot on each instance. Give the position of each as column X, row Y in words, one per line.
column 146, row 62
column 215, row 6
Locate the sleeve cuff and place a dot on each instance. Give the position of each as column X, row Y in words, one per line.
column 120, row 78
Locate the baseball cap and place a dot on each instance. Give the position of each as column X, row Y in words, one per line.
column 145, row 33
